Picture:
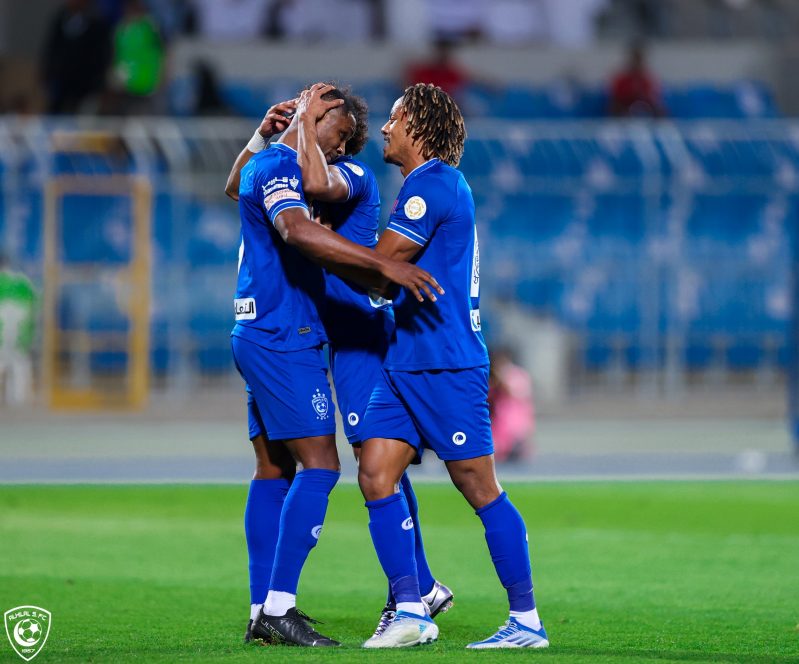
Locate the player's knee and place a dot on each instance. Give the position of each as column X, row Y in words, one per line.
column 478, row 488
column 320, row 455
column 375, row 483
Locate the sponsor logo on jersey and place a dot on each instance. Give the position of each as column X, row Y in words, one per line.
column 415, row 207
column 475, row 286
column 244, row 308
column 320, row 405
column 280, row 195
column 475, row 315
column 294, row 182
column 354, row 168
column 459, row 438
column 304, row 330
column 408, row 523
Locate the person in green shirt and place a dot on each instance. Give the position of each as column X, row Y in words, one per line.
column 138, row 59
column 18, row 302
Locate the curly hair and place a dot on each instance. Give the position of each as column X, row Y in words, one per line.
column 360, row 109
column 434, row 119
column 357, row 107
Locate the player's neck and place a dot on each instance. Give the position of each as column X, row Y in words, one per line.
column 289, row 137
column 411, row 163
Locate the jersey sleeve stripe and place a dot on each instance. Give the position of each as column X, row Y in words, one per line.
column 410, row 235
column 347, row 179
column 416, row 237
column 282, row 207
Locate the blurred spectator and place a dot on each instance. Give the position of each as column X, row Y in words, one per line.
column 138, row 61
column 635, row 92
column 17, row 314
column 77, row 53
column 510, row 399
column 231, row 20
column 442, row 70
column 208, row 98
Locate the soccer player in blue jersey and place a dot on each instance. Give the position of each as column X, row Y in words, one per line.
column 358, row 326
column 434, row 386
column 277, row 345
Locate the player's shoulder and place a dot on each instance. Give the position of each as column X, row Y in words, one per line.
column 435, row 182
column 433, row 175
column 276, row 154
column 354, row 166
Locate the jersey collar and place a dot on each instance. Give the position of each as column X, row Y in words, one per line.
column 423, row 167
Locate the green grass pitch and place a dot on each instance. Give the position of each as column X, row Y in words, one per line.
column 624, row 572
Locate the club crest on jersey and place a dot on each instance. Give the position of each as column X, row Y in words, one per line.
column 415, row 207
column 354, row 168
column 294, row 182
column 320, row 405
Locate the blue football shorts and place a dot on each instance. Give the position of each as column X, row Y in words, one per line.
column 445, row 410
column 288, row 394
column 355, row 373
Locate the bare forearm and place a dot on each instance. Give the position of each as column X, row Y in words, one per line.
column 338, row 255
column 310, row 158
column 233, row 180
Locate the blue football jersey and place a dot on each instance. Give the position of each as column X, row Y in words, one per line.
column 356, row 219
column 279, row 291
column 435, row 209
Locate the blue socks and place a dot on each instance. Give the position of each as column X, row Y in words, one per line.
column 392, row 527
column 300, row 525
column 506, row 536
column 426, row 579
column 261, row 527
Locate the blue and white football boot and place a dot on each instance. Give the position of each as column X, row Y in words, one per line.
column 515, row 635
column 406, row 629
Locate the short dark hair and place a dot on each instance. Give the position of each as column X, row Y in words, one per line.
column 435, row 120
column 355, row 106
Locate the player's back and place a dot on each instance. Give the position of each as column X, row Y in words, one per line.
column 279, row 291
column 349, row 311
column 435, row 209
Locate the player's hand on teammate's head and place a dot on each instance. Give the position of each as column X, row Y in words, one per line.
column 418, row 281
column 277, row 118
column 311, row 102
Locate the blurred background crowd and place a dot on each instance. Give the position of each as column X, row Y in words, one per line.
column 634, row 164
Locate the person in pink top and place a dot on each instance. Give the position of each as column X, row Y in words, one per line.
column 510, row 399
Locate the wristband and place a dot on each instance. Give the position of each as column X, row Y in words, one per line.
column 257, row 142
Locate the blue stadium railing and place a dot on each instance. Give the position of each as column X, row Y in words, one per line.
column 653, row 246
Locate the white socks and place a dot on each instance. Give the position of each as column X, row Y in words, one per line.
column 277, row 603
column 527, row 618
column 417, row 608
column 255, row 609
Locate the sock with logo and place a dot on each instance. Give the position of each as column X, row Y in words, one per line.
column 426, row 579
column 261, row 527
column 391, row 527
column 300, row 525
column 506, row 536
